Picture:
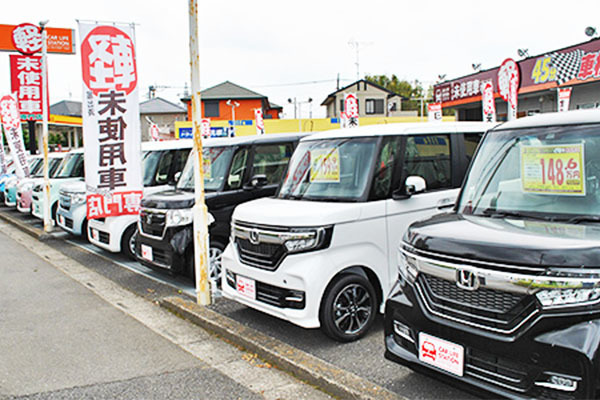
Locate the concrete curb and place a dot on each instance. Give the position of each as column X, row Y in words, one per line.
column 305, row 366
column 30, row 230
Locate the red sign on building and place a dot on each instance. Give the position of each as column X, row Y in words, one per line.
column 26, row 81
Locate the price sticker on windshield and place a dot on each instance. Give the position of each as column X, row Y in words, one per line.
column 325, row 165
column 206, row 164
column 555, row 169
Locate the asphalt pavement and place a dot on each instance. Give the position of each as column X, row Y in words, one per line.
column 68, row 332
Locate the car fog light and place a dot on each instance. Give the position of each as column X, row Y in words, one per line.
column 557, row 382
column 561, row 297
column 230, row 276
column 403, row 331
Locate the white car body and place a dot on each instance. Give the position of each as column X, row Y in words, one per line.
column 365, row 235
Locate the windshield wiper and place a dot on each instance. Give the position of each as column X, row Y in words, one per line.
column 494, row 213
column 583, row 218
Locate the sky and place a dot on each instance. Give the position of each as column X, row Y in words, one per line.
column 297, row 50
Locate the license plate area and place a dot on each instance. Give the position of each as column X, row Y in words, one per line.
column 441, row 353
column 246, row 287
column 147, row 252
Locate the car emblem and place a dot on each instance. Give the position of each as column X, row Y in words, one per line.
column 254, row 236
column 466, row 279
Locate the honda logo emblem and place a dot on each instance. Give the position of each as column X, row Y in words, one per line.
column 466, row 279
column 254, row 236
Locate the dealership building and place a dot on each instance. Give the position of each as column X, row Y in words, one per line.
column 576, row 67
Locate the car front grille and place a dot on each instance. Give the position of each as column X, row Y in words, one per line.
column 261, row 255
column 69, row 223
column 152, row 222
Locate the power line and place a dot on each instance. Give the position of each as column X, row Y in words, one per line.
column 301, row 83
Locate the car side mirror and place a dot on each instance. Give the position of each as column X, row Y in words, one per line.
column 414, row 184
column 257, row 181
column 176, row 177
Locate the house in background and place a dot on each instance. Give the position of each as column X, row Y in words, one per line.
column 214, row 103
column 162, row 113
column 65, row 119
column 373, row 101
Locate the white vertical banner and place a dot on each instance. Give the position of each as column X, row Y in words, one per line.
column 205, row 127
column 11, row 121
column 488, row 104
column 351, row 110
column 260, row 123
column 508, row 86
column 434, row 112
column 3, row 166
column 111, row 120
column 153, row 132
column 564, row 98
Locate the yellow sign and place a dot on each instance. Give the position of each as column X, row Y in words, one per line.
column 325, row 165
column 554, row 169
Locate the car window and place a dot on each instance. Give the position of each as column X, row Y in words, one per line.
column 271, row 160
column 384, row 168
column 164, row 166
column 238, row 168
column 181, row 157
column 471, row 142
column 428, row 156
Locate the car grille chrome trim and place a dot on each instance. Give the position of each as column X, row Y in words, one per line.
column 157, row 223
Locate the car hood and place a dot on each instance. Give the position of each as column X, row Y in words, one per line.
column 508, row 240
column 169, row 199
column 280, row 212
column 77, row 186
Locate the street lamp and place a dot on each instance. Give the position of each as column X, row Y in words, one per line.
column 233, row 104
column 298, row 104
column 476, row 67
column 590, row 31
column 524, row 53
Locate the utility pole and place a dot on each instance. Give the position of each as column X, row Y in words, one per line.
column 356, row 46
column 46, row 202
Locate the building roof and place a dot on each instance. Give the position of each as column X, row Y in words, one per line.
column 66, row 107
column 159, row 105
column 229, row 90
column 331, row 97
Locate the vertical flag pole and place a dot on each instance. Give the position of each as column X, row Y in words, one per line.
column 46, row 202
column 201, row 241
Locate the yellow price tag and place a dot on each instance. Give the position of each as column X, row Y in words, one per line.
column 554, row 169
column 325, row 165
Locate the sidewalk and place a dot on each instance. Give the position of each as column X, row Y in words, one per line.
column 67, row 332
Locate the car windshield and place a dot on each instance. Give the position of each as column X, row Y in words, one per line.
column 53, row 164
column 216, row 162
column 36, row 166
column 334, row 169
column 71, row 167
column 539, row 173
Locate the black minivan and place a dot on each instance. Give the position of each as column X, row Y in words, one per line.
column 236, row 170
column 503, row 293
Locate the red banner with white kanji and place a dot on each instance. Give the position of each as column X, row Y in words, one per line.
column 111, row 125
column 26, row 81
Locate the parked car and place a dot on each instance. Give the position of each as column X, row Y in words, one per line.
column 25, row 186
column 162, row 164
column 321, row 253
column 10, row 185
column 236, row 170
column 70, row 170
column 10, row 170
column 506, row 286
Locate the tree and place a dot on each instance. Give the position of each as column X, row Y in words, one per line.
column 412, row 93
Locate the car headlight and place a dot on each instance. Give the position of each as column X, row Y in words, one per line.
column 26, row 187
column 180, row 217
column 563, row 297
column 568, row 288
column 11, row 183
column 78, row 198
column 407, row 266
column 308, row 239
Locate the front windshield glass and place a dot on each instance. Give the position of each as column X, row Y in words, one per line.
column 53, row 164
column 36, row 166
column 149, row 164
column 216, row 162
column 71, row 167
column 334, row 169
column 542, row 173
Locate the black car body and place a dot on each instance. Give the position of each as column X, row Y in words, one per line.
column 503, row 293
column 236, row 170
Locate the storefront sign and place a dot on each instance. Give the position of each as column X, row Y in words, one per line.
column 569, row 66
column 508, row 85
column 351, row 110
column 555, row 169
column 26, row 81
column 11, row 121
column 325, row 165
column 111, row 127
column 434, row 111
column 488, row 104
column 27, row 39
column 260, row 124
column 564, row 97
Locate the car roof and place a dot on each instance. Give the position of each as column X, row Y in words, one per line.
column 254, row 139
column 573, row 117
column 402, row 129
column 168, row 145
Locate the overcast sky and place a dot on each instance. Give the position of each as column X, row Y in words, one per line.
column 296, row 49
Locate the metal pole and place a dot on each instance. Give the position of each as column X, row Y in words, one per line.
column 47, row 221
column 299, row 116
column 201, row 240
column 421, row 108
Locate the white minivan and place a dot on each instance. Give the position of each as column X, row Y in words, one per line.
column 322, row 252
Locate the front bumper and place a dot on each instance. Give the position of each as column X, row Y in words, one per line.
column 107, row 233
column 24, row 201
column 167, row 252
column 73, row 219
column 10, row 196
column 517, row 366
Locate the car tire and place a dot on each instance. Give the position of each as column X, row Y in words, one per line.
column 84, row 230
column 215, row 252
column 128, row 242
column 54, row 213
column 348, row 308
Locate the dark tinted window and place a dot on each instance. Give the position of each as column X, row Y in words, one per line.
column 428, row 156
column 271, row 160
